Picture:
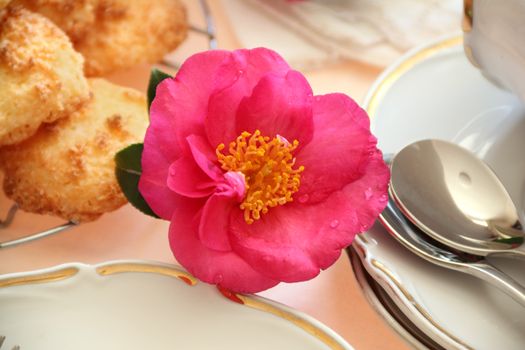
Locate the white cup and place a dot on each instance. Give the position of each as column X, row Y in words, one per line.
column 494, row 34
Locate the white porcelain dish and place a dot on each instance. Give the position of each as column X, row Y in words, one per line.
column 434, row 92
column 141, row 305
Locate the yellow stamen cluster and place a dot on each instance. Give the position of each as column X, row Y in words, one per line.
column 268, row 170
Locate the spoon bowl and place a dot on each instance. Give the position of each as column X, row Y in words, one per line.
column 456, row 199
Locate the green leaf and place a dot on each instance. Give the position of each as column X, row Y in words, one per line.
column 510, row 240
column 128, row 170
column 155, row 78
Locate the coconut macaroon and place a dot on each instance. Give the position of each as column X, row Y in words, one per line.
column 117, row 34
column 74, row 17
column 67, row 169
column 3, row 3
column 127, row 33
column 41, row 74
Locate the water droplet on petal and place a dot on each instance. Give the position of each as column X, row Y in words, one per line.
column 267, row 258
column 173, row 172
column 368, row 193
column 218, row 278
column 334, row 223
column 363, row 228
column 303, row 199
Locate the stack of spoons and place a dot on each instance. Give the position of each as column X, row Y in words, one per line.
column 472, row 215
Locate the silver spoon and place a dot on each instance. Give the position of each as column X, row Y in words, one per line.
column 455, row 198
column 419, row 243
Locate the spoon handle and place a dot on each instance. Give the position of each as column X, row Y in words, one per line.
column 499, row 279
column 518, row 252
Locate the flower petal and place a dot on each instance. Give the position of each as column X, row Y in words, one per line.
column 367, row 196
column 187, row 179
column 226, row 269
column 279, row 106
column 213, row 227
column 153, row 181
column 178, row 110
column 294, row 242
column 181, row 103
column 205, row 157
column 341, row 145
column 275, row 245
column 352, row 210
column 244, row 69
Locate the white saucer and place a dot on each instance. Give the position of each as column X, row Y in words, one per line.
column 434, row 92
column 141, row 305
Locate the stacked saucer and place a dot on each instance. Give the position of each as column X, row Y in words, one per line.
column 435, row 93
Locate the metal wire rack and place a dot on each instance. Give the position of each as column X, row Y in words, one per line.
column 209, row 32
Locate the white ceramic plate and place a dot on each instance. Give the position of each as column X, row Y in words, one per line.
column 140, row 305
column 434, row 92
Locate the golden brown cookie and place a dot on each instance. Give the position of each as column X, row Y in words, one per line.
column 41, row 75
column 67, row 169
column 117, row 34
column 74, row 17
column 3, row 3
column 127, row 33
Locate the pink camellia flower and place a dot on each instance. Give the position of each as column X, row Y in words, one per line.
column 262, row 181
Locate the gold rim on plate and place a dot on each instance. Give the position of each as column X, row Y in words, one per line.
column 385, row 81
column 307, row 324
column 374, row 98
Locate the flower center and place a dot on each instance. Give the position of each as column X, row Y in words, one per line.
column 268, row 168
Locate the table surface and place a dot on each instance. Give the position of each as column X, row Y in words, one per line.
column 334, row 297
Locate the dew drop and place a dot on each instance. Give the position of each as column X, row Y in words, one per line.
column 334, row 223
column 218, row 279
column 173, row 172
column 368, row 193
column 267, row 258
column 304, row 198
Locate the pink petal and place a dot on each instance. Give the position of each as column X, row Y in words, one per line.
column 181, row 104
column 244, row 69
column 367, row 196
column 152, row 183
column 226, row 269
column 294, row 242
column 177, row 111
column 341, row 145
column 187, row 179
column 213, row 228
column 277, row 244
column 205, row 157
column 233, row 185
column 352, row 210
column 279, row 106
